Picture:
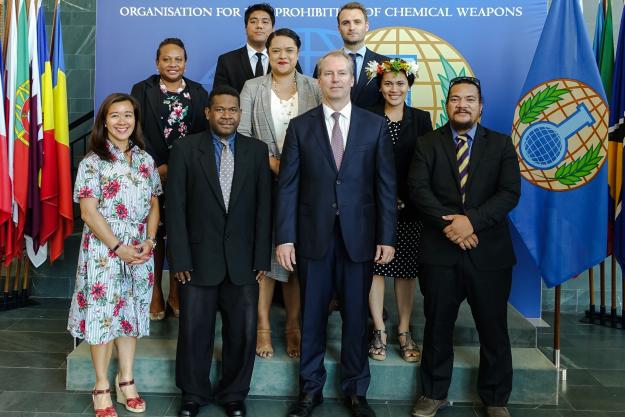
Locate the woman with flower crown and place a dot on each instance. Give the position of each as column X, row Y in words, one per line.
column 394, row 78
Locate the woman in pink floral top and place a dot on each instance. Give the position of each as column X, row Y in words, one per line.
column 117, row 187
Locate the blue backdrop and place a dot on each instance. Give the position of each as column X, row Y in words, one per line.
column 447, row 37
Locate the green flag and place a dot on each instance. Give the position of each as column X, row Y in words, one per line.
column 606, row 66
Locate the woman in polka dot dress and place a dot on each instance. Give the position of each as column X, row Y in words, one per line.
column 406, row 124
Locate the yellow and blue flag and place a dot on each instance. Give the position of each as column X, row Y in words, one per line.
column 560, row 132
column 617, row 134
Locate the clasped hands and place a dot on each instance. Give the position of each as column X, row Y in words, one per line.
column 460, row 231
column 135, row 254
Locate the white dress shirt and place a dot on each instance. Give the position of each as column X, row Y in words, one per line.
column 251, row 53
column 344, row 119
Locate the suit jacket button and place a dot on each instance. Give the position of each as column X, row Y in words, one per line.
column 333, row 205
column 338, row 182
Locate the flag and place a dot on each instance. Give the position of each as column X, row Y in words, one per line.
column 5, row 180
column 560, row 133
column 20, row 113
column 606, row 65
column 615, row 150
column 61, row 135
column 599, row 21
column 10, row 83
column 49, row 169
column 35, row 157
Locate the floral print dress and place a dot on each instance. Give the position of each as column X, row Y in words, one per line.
column 111, row 298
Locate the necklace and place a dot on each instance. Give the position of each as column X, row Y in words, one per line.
column 292, row 88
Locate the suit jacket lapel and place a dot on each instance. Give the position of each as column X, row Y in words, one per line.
column 265, row 103
column 449, row 147
column 406, row 121
column 241, row 164
column 362, row 76
column 154, row 101
column 207, row 162
column 477, row 152
column 321, row 136
column 245, row 63
column 356, row 131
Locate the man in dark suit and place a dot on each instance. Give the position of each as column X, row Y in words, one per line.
column 234, row 68
column 335, row 210
column 353, row 24
column 464, row 180
column 219, row 232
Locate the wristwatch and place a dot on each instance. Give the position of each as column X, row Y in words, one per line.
column 153, row 240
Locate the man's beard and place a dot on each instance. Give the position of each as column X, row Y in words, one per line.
column 350, row 42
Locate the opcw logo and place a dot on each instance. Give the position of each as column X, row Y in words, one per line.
column 560, row 133
column 22, row 112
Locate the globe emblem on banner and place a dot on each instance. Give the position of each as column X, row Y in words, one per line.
column 439, row 62
column 559, row 132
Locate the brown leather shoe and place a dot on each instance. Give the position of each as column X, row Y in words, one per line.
column 497, row 412
column 427, row 407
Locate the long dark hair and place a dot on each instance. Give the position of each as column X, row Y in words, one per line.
column 99, row 133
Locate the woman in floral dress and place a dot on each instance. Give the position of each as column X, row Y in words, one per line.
column 117, row 187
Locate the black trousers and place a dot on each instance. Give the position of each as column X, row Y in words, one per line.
column 444, row 288
column 196, row 336
column 320, row 279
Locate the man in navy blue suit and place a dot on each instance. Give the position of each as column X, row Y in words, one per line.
column 336, row 212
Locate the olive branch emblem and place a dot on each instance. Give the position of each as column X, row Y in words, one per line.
column 569, row 173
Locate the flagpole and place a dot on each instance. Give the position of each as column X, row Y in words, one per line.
column 556, row 335
column 602, row 294
column 7, row 284
column 591, row 292
column 613, row 319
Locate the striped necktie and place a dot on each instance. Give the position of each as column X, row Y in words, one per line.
column 462, row 155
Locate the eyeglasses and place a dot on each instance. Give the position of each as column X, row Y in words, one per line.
column 465, row 79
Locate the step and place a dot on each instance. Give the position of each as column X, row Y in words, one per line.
column 522, row 332
column 535, row 378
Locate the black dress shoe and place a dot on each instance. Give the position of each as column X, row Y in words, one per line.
column 189, row 409
column 359, row 406
column 304, row 407
column 235, row 409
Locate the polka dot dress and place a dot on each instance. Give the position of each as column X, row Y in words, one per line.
column 405, row 264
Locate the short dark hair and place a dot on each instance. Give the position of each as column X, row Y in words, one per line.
column 99, row 132
column 264, row 7
column 284, row 32
column 223, row 90
column 171, row 41
column 465, row 80
column 354, row 5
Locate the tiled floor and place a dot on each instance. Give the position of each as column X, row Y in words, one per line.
column 34, row 343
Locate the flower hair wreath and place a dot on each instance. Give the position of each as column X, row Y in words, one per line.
column 395, row 65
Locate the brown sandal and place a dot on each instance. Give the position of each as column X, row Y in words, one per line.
column 377, row 349
column 409, row 350
column 293, row 341
column 264, row 349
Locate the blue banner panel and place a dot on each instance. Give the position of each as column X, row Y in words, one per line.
column 484, row 38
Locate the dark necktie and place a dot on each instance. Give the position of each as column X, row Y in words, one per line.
column 462, row 155
column 226, row 171
column 353, row 56
column 258, row 72
column 337, row 140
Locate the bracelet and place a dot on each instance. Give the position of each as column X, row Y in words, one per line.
column 117, row 246
column 153, row 240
